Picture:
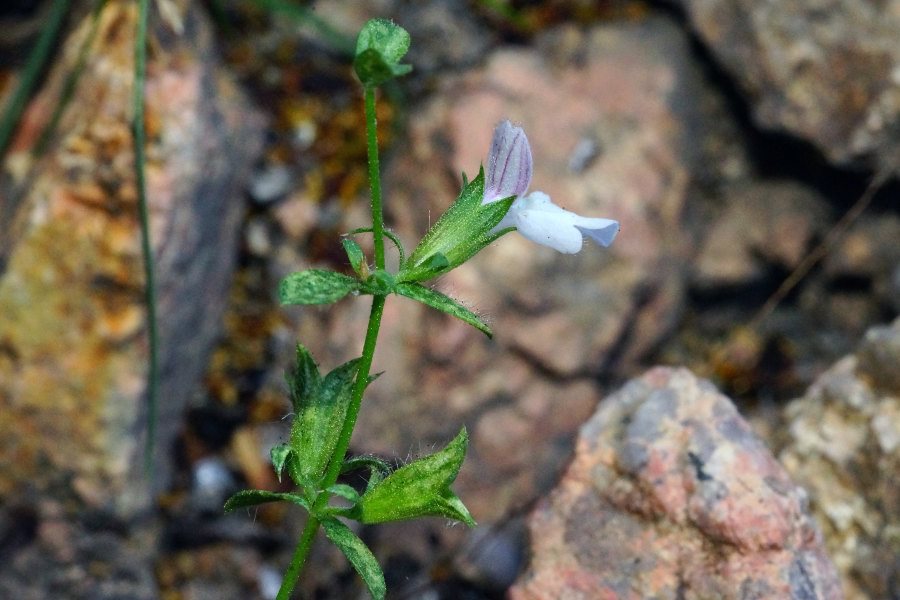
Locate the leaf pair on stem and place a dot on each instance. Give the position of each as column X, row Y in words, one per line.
column 420, row 488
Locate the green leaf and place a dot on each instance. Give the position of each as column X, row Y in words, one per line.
column 373, row 70
column 459, row 234
column 317, row 426
column 358, row 554
column 344, row 491
column 356, row 257
column 246, row 498
column 378, row 469
column 436, row 263
column 443, row 303
column 304, row 380
column 391, row 236
column 315, row 286
column 379, row 283
column 390, row 40
column 380, row 46
column 421, row 488
column 279, row 455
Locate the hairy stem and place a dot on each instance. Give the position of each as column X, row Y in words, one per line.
column 298, row 559
column 337, row 459
column 374, row 179
column 362, row 373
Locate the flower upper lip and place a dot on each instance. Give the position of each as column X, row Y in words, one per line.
column 510, row 167
column 509, row 163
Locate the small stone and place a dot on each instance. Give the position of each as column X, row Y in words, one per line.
column 585, row 151
column 298, row 215
column 257, row 237
column 492, row 557
column 304, row 134
column 270, row 183
column 269, row 582
column 212, row 483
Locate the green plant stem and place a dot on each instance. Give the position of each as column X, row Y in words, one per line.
column 140, row 75
column 298, row 559
column 32, row 71
column 374, row 178
column 337, row 459
column 365, row 364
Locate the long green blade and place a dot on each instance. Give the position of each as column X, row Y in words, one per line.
column 72, row 77
column 140, row 74
column 37, row 59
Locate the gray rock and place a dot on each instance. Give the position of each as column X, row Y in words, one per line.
column 763, row 224
column 843, row 445
column 826, row 71
column 270, row 183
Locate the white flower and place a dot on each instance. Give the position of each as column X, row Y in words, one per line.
column 543, row 222
column 534, row 215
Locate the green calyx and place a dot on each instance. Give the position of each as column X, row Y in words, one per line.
column 420, row 488
column 320, row 407
column 380, row 46
column 460, row 233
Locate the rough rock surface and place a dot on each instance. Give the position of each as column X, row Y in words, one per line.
column 73, row 349
column 763, row 224
column 844, row 447
column 671, row 495
column 826, row 71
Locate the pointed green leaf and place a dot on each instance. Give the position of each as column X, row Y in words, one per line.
column 344, row 491
column 358, row 554
column 315, row 286
column 373, row 70
column 246, row 498
column 379, row 283
column 304, row 380
column 443, row 303
column 459, row 234
column 317, row 426
column 391, row 236
column 421, row 488
column 279, row 455
column 356, row 257
column 436, row 263
column 378, row 469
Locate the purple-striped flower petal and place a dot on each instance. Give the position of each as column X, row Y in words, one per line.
column 509, row 164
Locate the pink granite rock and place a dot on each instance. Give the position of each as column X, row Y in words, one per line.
column 671, row 495
column 73, row 345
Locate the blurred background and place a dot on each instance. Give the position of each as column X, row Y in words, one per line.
column 737, row 142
